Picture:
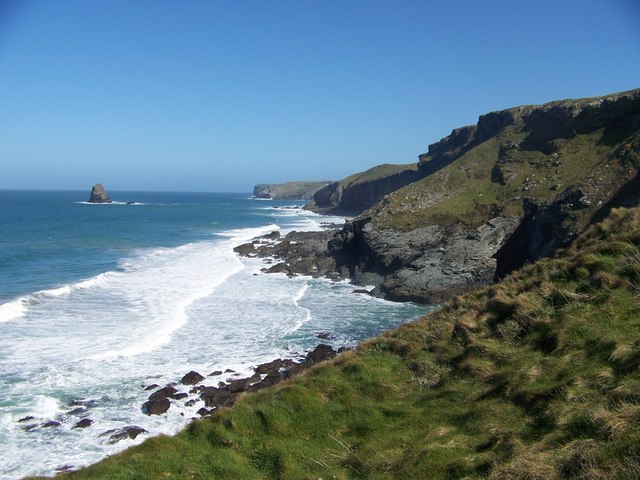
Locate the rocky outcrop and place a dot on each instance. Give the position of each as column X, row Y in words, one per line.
column 99, row 194
column 289, row 190
column 299, row 253
column 518, row 186
column 225, row 393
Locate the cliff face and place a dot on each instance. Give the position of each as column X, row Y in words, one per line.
column 518, row 186
column 288, row 191
column 356, row 193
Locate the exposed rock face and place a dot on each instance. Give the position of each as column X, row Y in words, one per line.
column 516, row 187
column 358, row 192
column 99, row 195
column 289, row 190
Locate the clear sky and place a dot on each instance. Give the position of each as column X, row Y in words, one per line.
column 219, row 95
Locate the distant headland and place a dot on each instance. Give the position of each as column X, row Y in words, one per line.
column 289, row 190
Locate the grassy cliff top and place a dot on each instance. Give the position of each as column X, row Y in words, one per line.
column 536, row 377
column 534, row 151
column 377, row 172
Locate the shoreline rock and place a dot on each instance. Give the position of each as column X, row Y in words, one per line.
column 225, row 394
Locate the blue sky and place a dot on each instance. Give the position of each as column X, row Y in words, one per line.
column 219, row 95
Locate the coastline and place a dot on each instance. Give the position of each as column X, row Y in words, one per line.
column 216, row 390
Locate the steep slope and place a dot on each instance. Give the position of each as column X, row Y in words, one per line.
column 536, row 377
column 360, row 191
column 516, row 187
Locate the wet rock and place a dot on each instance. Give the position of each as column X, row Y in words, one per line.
column 326, row 335
column 273, row 235
column 271, row 379
column 240, row 385
column 51, row 423
column 320, row 353
column 228, row 370
column 152, row 387
column 269, row 367
column 215, row 373
column 277, row 268
column 190, row 403
column 117, row 434
column 203, row 412
column 64, row 468
column 77, row 411
column 84, row 423
column 180, row 396
column 361, row 291
column 218, row 397
column 167, row 391
column 26, row 419
column 156, row 406
column 191, row 378
column 245, row 249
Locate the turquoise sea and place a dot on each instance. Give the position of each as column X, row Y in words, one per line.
column 99, row 301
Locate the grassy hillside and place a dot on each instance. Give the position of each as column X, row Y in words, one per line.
column 534, row 377
column 493, row 178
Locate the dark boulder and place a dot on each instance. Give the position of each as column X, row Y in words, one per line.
column 26, row 419
column 191, row 378
column 218, row 397
column 326, row 336
column 84, row 423
column 152, row 387
column 165, row 392
column 50, row 423
column 156, row 406
column 245, row 249
column 269, row 367
column 277, row 268
column 273, row 235
column 117, row 434
column 320, row 353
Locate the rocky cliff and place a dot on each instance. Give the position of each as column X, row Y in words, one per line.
column 288, row 191
column 517, row 186
column 99, row 194
column 360, row 191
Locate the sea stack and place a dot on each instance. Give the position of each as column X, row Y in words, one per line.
column 99, row 194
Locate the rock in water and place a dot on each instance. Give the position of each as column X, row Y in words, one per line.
column 99, row 194
column 191, row 378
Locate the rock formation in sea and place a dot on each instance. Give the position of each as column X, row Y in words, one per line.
column 99, row 194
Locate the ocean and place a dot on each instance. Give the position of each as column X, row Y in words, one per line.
column 99, row 301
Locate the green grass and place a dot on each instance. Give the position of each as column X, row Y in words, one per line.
column 464, row 193
column 537, row 376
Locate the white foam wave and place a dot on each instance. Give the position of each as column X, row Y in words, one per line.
column 18, row 307
column 45, row 407
column 305, row 313
column 12, row 310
